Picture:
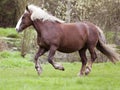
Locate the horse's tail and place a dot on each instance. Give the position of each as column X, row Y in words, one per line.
column 106, row 49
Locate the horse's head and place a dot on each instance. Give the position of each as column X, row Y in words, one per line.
column 24, row 21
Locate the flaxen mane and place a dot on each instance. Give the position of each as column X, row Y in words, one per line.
column 38, row 13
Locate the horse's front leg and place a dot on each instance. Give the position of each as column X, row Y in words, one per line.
column 51, row 56
column 40, row 52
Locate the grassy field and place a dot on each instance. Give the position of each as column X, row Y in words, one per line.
column 17, row 73
column 7, row 31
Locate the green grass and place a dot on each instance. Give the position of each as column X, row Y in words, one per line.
column 8, row 32
column 18, row 73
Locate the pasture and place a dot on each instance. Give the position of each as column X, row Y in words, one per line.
column 17, row 73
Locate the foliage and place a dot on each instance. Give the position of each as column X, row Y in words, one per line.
column 7, row 13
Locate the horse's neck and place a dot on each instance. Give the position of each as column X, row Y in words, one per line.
column 38, row 26
column 42, row 27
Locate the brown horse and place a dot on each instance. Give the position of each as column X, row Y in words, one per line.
column 54, row 34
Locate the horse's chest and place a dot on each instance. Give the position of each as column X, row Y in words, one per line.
column 43, row 43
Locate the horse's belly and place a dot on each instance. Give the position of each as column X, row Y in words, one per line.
column 70, row 48
column 67, row 50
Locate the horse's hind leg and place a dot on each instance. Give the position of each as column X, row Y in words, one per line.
column 82, row 54
column 50, row 59
column 40, row 52
column 93, row 57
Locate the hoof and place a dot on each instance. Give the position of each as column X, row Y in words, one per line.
column 88, row 70
column 39, row 70
column 59, row 67
column 62, row 68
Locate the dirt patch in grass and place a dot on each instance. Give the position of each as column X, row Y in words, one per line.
column 3, row 45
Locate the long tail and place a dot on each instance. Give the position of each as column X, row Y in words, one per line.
column 106, row 49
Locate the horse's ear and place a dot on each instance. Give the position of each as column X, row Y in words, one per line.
column 27, row 8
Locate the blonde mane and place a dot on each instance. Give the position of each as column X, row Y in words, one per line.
column 38, row 13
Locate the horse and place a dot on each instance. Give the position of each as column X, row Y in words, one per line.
column 53, row 34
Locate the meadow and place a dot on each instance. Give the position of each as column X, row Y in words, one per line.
column 17, row 73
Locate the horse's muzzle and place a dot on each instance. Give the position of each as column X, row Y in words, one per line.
column 18, row 30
